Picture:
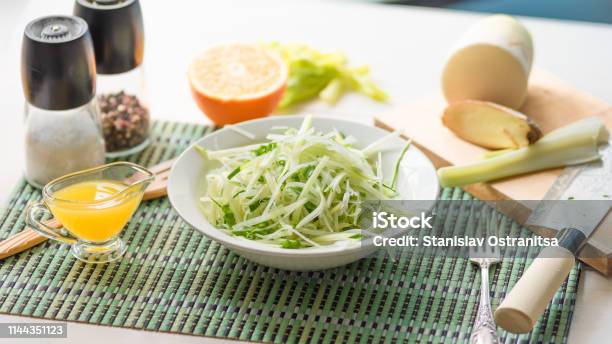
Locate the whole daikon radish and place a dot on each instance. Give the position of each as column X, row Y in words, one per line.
column 490, row 62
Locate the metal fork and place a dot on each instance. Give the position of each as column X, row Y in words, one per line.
column 484, row 330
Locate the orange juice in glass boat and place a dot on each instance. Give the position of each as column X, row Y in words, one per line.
column 93, row 206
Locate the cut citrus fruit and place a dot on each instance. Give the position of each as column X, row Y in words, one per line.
column 237, row 82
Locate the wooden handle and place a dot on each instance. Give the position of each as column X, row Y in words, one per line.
column 24, row 240
column 158, row 188
column 526, row 302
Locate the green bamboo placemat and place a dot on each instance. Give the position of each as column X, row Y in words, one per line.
column 174, row 279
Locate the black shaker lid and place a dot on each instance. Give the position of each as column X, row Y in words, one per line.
column 58, row 70
column 117, row 31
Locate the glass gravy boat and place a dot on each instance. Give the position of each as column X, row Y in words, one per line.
column 93, row 206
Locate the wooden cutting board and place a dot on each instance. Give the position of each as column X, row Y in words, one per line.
column 551, row 103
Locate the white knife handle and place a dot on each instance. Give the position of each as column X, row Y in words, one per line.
column 526, row 302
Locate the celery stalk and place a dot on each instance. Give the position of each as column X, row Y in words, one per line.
column 332, row 92
column 573, row 144
column 496, row 153
column 314, row 73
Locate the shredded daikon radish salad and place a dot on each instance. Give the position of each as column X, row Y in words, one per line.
column 303, row 188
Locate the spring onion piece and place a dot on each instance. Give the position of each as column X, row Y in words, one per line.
column 497, row 152
column 573, row 144
column 302, row 188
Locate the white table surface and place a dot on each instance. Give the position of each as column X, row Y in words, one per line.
column 405, row 47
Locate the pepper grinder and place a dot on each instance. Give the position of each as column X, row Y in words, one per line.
column 118, row 35
column 58, row 72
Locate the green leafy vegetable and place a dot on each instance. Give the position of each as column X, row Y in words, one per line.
column 253, row 206
column 291, row 244
column 326, row 75
column 313, row 198
column 228, row 215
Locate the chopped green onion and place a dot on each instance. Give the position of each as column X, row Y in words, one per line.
column 233, row 173
column 263, row 149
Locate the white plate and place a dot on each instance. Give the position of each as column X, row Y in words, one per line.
column 417, row 181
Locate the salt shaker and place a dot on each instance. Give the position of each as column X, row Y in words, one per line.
column 58, row 72
column 118, row 35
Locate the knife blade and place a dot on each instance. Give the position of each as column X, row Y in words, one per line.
column 588, row 182
column 574, row 207
column 579, row 199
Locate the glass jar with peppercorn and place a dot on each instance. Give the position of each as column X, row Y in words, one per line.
column 118, row 35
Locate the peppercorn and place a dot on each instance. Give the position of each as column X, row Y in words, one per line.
column 125, row 121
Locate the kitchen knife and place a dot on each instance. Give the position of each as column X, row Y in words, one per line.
column 585, row 191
